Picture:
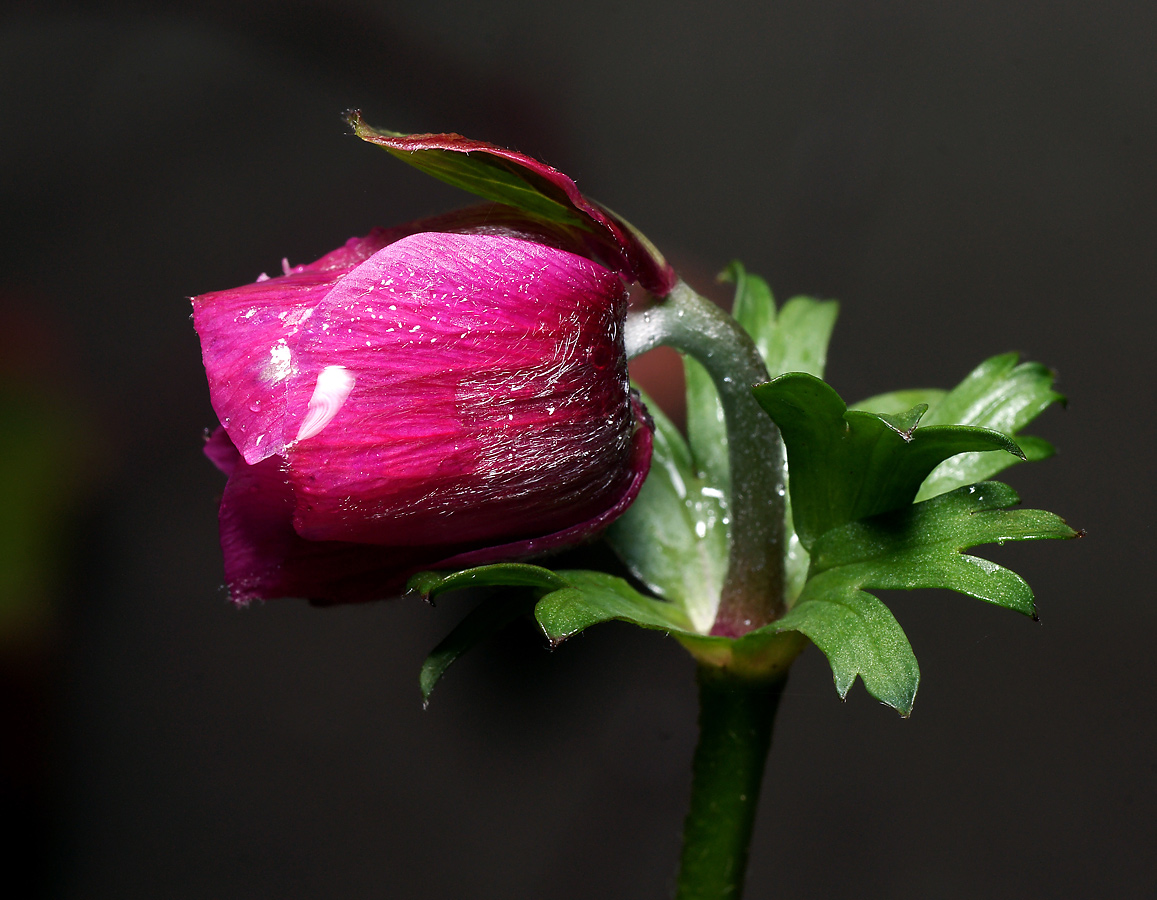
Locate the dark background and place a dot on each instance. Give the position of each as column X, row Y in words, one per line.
column 967, row 177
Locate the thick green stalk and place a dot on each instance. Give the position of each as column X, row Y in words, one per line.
column 752, row 594
column 735, row 723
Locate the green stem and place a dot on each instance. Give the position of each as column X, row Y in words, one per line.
column 752, row 594
column 735, row 723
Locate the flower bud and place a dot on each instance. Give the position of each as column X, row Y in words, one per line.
column 449, row 393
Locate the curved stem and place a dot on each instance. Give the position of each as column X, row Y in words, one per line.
column 735, row 723
column 753, row 592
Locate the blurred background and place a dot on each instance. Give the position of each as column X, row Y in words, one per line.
column 967, row 177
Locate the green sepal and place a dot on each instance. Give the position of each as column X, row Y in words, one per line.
column 848, row 464
column 794, row 339
column 673, row 538
column 860, row 637
column 481, row 623
column 568, row 600
column 1002, row 394
column 471, row 167
column 594, row 597
column 921, row 546
column 431, row 584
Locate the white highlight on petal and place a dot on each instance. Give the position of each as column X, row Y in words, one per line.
column 333, row 388
column 280, row 365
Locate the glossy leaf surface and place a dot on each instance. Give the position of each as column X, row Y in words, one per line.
column 569, row 600
column 431, row 584
column 674, row 536
column 848, row 464
column 594, row 597
column 999, row 394
column 921, row 546
column 860, row 637
column 894, row 403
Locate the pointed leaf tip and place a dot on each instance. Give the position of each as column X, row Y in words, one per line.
column 845, row 464
column 481, row 623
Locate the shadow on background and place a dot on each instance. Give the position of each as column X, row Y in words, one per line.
column 968, row 178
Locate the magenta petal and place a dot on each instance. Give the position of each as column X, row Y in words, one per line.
column 411, row 401
column 221, row 451
column 265, row 558
column 490, row 398
column 245, row 336
column 576, row 534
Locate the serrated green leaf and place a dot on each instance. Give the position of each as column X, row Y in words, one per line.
column 673, row 538
column 999, row 394
column 569, row 600
column 919, row 546
column 594, row 597
column 968, row 468
column 860, row 637
column 484, row 621
column 922, row 546
column 793, row 340
column 848, row 464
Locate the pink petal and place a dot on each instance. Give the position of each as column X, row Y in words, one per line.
column 221, row 451
column 254, row 381
column 490, row 377
column 576, row 534
column 406, row 403
column 266, row 559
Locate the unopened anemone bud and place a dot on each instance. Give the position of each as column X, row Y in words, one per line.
column 448, row 393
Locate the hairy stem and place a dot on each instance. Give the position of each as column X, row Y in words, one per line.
column 753, row 591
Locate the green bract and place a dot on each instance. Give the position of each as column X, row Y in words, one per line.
column 886, row 494
column 847, row 464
